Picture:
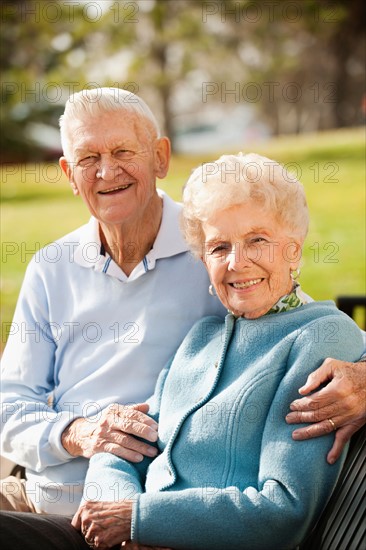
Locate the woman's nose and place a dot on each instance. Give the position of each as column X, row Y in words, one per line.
column 238, row 257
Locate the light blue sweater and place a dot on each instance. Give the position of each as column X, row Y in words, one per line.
column 229, row 474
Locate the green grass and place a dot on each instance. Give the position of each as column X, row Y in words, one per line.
column 38, row 207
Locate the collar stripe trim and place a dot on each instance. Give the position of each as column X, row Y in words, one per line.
column 106, row 265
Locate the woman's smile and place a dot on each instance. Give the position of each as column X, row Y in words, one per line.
column 246, row 285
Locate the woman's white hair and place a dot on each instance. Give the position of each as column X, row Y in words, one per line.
column 96, row 100
column 233, row 180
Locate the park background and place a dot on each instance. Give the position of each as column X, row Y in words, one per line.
column 282, row 78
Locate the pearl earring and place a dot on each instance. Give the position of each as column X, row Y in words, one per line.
column 212, row 291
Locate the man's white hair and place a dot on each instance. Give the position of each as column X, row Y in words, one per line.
column 96, row 100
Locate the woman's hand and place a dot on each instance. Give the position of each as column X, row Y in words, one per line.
column 113, row 431
column 340, row 405
column 104, row 524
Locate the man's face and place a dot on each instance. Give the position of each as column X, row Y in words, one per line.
column 114, row 165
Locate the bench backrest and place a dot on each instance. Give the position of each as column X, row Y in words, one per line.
column 342, row 526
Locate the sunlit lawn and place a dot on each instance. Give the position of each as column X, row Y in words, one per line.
column 38, row 207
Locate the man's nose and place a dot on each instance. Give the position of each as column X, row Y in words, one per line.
column 108, row 169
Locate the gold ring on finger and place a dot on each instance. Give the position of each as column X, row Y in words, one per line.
column 332, row 424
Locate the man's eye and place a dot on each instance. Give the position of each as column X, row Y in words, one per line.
column 86, row 161
column 124, row 153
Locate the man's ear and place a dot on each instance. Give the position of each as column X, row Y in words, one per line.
column 65, row 167
column 162, row 156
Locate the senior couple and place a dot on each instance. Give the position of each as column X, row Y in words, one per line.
column 215, row 464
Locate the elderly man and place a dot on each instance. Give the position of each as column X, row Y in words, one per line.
column 105, row 307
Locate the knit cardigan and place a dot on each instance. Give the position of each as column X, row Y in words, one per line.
column 229, row 475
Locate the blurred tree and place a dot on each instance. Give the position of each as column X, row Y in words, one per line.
column 166, row 44
column 48, row 50
column 300, row 64
column 147, row 46
column 347, row 46
column 307, row 57
column 29, row 94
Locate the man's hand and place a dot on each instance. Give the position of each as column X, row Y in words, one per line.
column 104, row 524
column 342, row 400
column 113, row 431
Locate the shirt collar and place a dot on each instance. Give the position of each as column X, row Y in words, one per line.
column 169, row 242
column 89, row 252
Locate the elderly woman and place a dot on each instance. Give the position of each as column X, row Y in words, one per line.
column 228, row 474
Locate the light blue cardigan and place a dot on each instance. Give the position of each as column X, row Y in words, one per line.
column 229, row 474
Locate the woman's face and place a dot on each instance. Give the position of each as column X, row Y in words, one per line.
column 249, row 258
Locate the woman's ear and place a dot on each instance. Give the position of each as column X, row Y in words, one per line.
column 162, row 156
column 65, row 167
column 294, row 253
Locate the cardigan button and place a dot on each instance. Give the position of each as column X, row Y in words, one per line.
column 216, row 364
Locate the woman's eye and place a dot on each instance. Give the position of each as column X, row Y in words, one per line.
column 258, row 240
column 220, row 248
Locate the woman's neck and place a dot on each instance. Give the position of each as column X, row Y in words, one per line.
column 129, row 242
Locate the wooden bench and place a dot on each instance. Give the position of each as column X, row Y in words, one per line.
column 342, row 526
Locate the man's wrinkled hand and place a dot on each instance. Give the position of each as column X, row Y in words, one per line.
column 113, row 431
column 340, row 405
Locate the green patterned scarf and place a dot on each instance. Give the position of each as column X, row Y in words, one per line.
column 295, row 299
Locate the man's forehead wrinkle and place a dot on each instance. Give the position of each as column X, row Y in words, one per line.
column 108, row 144
column 140, row 135
column 83, row 141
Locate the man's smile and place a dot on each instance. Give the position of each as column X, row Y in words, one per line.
column 115, row 189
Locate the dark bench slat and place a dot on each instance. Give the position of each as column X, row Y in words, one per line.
column 349, row 500
column 359, row 541
column 342, row 525
column 355, row 538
